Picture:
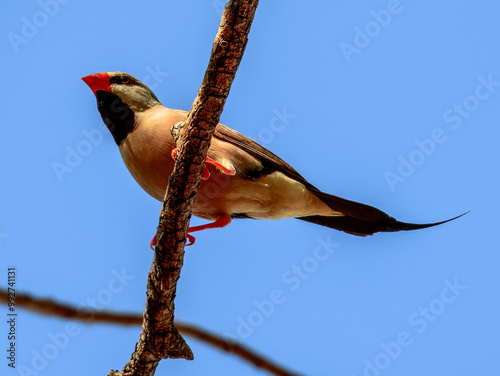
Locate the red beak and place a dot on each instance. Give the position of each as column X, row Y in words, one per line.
column 98, row 81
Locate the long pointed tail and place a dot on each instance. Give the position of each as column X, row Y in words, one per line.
column 360, row 219
column 403, row 226
column 362, row 227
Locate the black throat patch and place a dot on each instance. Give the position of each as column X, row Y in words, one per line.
column 117, row 116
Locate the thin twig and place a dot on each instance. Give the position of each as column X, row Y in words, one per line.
column 51, row 308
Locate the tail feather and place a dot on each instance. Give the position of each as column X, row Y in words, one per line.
column 361, row 227
column 360, row 219
column 403, row 226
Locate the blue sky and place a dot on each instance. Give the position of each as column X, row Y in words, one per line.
column 390, row 103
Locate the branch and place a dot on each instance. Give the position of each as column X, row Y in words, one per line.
column 160, row 338
column 50, row 308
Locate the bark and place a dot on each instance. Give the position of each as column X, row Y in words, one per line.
column 160, row 338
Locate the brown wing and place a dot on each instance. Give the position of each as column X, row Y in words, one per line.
column 252, row 161
column 266, row 162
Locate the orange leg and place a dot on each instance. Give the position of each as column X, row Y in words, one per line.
column 206, row 174
column 221, row 221
column 220, row 167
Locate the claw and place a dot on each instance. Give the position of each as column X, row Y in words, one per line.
column 190, row 238
column 205, row 174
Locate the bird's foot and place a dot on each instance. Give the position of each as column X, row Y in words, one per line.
column 222, row 168
column 221, row 221
column 190, row 238
column 206, row 174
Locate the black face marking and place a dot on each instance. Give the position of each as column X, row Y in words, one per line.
column 117, row 116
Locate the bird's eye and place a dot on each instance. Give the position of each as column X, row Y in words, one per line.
column 125, row 80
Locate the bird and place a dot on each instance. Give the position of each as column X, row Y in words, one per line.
column 240, row 179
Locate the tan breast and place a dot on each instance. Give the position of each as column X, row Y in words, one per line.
column 147, row 150
column 147, row 154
